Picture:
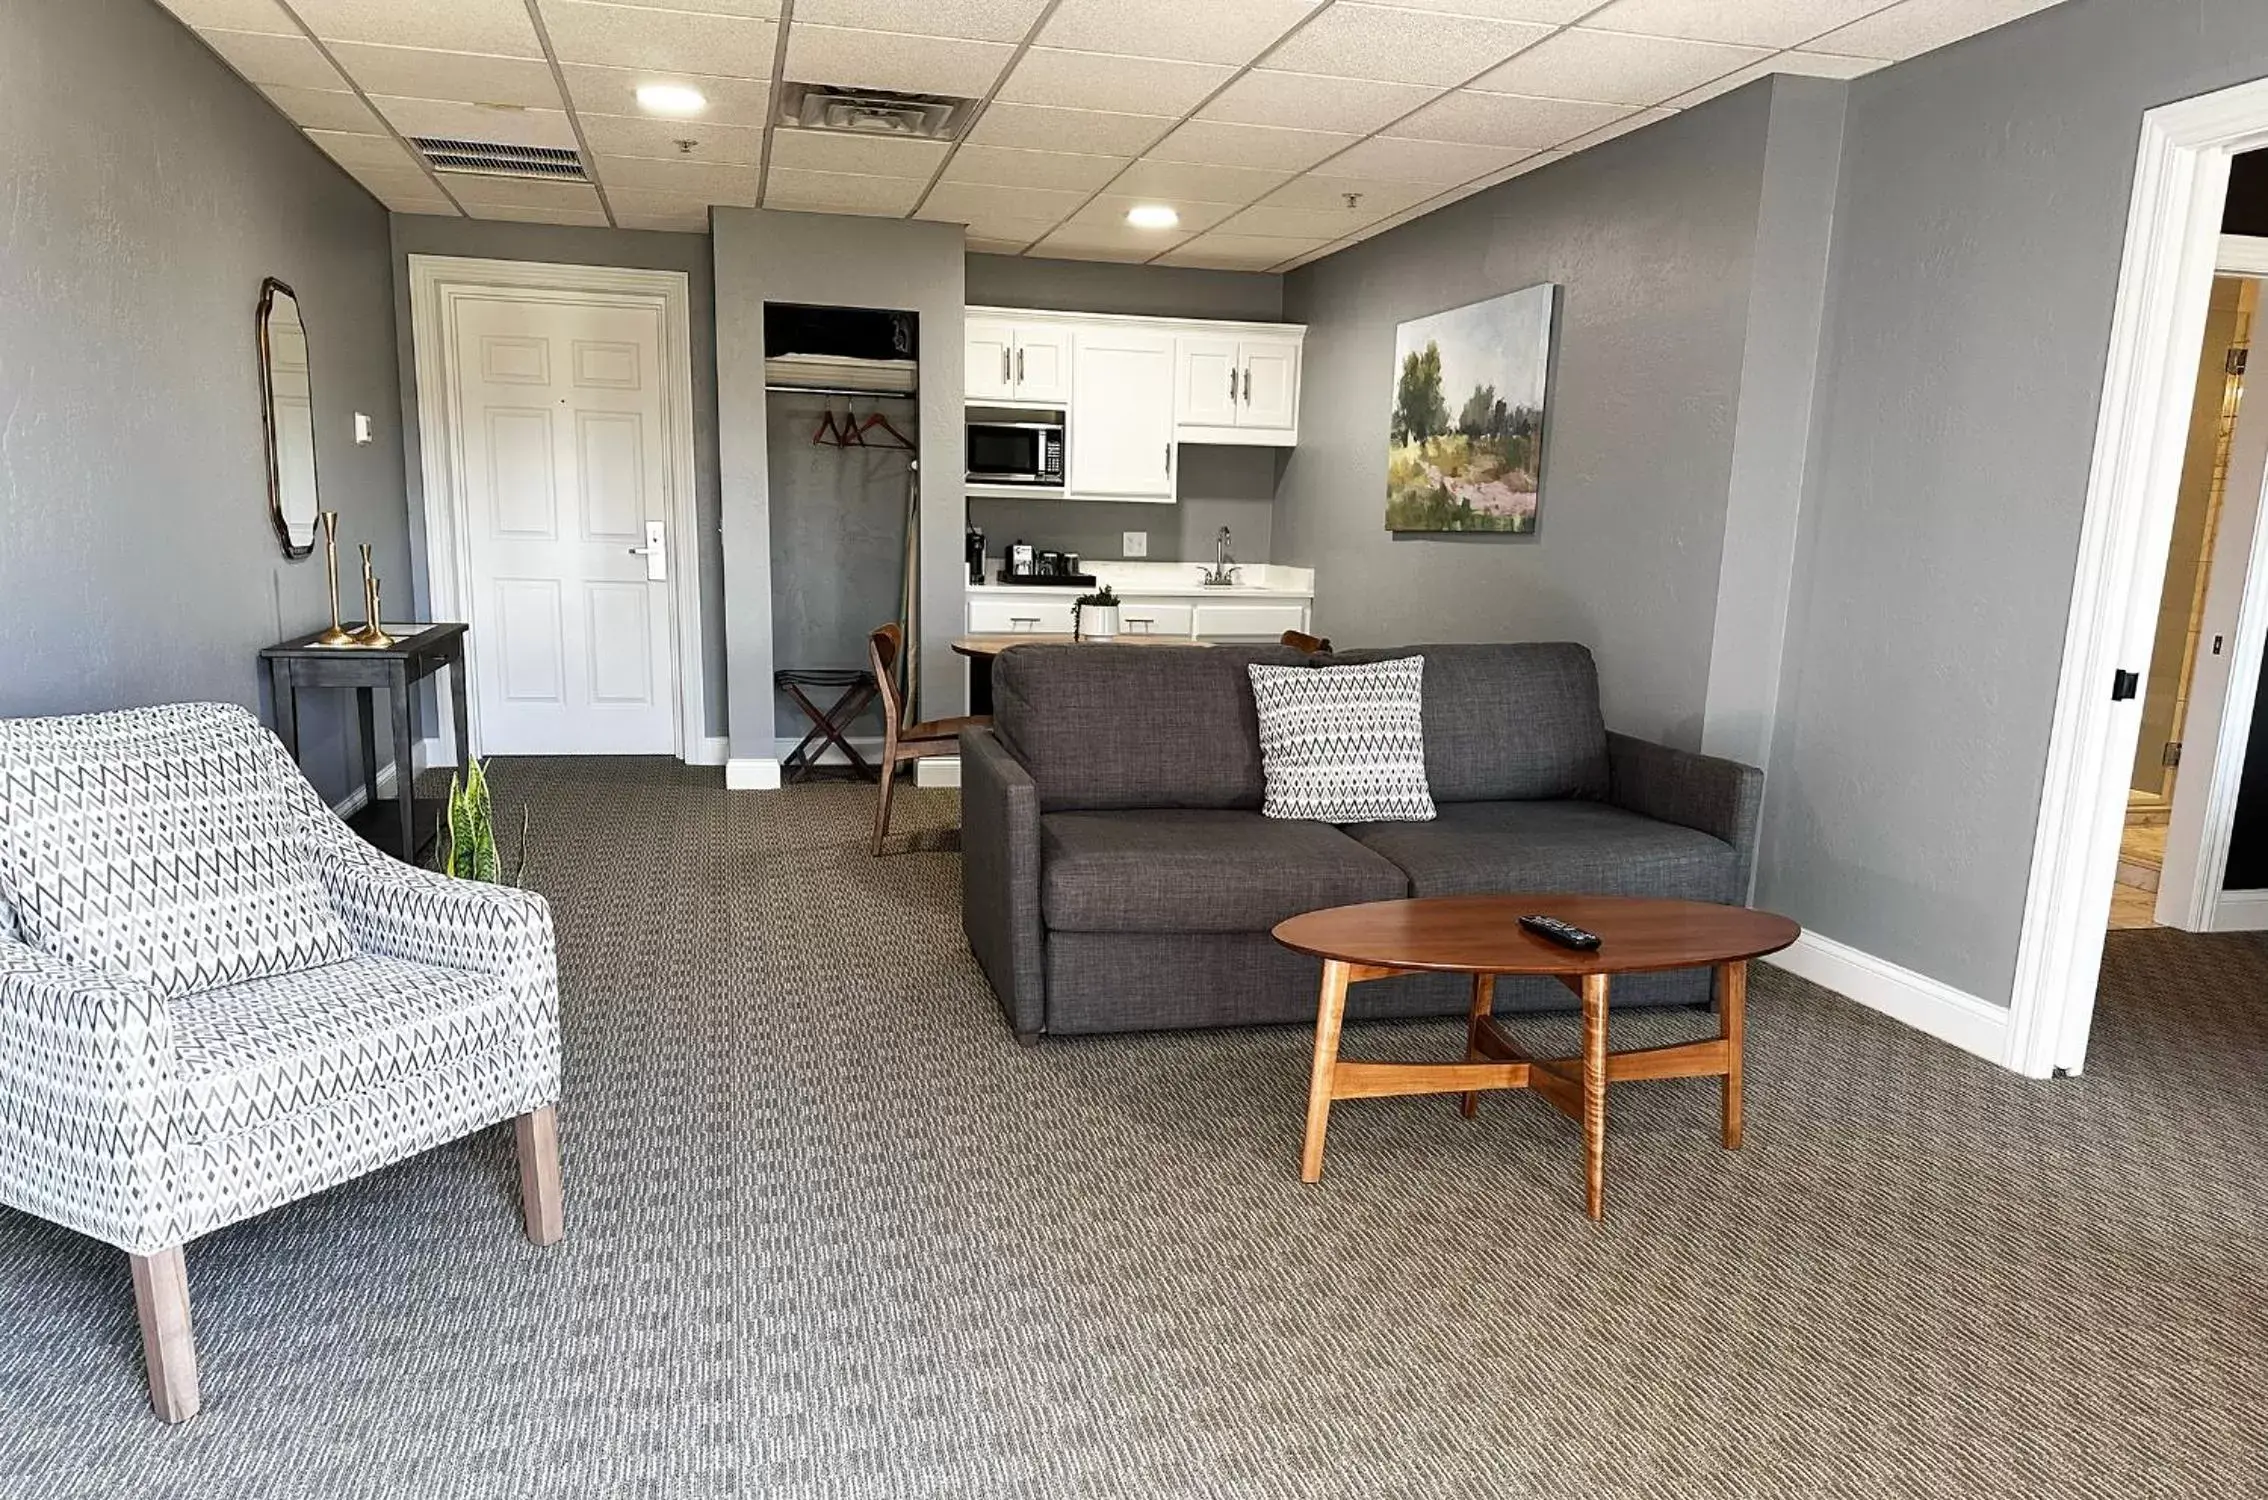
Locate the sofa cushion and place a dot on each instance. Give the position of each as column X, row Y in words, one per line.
column 1189, row 870
column 1514, row 721
column 1474, row 848
column 1343, row 744
column 1134, row 726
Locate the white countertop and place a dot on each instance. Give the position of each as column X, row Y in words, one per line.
column 1168, row 580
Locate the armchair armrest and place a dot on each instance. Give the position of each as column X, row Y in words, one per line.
column 1719, row 797
column 1000, row 878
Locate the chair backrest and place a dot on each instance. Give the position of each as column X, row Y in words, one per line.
column 883, row 647
column 1300, row 640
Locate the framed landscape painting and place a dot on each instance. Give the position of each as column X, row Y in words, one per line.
column 1465, row 446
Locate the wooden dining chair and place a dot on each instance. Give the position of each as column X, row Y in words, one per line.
column 903, row 742
column 1306, row 642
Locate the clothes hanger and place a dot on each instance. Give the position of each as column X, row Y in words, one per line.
column 899, row 439
column 827, row 434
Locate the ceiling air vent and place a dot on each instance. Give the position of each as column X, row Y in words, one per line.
column 494, row 159
column 921, row 117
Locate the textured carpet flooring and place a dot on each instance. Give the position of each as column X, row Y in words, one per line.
column 831, row 1233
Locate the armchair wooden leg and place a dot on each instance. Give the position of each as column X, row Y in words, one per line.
column 169, row 1347
column 889, row 770
column 536, row 1138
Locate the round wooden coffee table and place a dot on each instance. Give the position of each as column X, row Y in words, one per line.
column 1482, row 936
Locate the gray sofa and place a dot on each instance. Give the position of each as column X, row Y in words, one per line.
column 1118, row 874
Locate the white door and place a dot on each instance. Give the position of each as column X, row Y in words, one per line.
column 991, row 360
column 563, row 488
column 1121, row 419
column 1043, row 362
column 1208, row 372
column 1270, row 383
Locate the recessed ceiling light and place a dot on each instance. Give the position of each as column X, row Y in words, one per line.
column 1152, row 216
column 674, row 99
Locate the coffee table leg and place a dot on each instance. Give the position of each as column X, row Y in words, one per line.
column 1594, row 1092
column 1330, row 1011
column 1484, row 1001
column 1732, row 1005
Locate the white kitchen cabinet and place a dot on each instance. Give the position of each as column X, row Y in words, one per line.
column 1120, row 427
column 1208, row 376
column 1012, row 361
column 1269, row 392
column 1240, row 389
column 1248, row 621
column 1018, row 615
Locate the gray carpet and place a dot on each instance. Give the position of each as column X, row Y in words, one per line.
column 832, row 1233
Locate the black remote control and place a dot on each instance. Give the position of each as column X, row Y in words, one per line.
column 1566, row 934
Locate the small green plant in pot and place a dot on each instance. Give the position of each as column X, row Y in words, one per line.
column 466, row 847
column 1094, row 617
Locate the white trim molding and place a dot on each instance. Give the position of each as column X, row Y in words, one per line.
column 437, row 283
column 1950, row 1015
column 713, row 750
column 424, row 754
column 2242, row 255
column 941, row 770
column 2241, row 911
column 2172, row 245
column 753, row 773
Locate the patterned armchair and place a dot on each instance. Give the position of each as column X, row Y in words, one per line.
column 215, row 999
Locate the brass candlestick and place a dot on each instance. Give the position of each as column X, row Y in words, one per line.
column 372, row 633
column 337, row 635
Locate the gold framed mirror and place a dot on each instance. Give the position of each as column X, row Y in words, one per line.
column 287, row 413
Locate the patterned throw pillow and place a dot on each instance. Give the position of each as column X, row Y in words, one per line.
column 1344, row 744
column 156, row 845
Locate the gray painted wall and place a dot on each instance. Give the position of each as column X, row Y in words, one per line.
column 832, row 260
column 423, row 234
column 148, row 192
column 1652, row 239
column 1137, row 291
column 1976, row 253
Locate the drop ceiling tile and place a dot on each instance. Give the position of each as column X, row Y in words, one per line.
column 644, row 135
column 1635, row 120
column 1005, row 167
column 686, row 221
column 352, row 150
column 1315, row 190
column 1108, row 212
column 285, row 61
column 966, row 202
column 715, row 181
column 1190, row 30
column 322, row 109
column 1214, row 143
column 1486, row 119
column 1919, row 25
column 500, row 27
column 1093, row 80
column 410, row 203
column 977, row 20
column 1309, row 101
column 840, row 193
column 864, row 155
column 1547, row 12
column 1401, row 46
column 976, row 244
column 1003, row 230
column 234, row 15
column 1040, row 127
column 889, row 60
column 535, row 213
column 1756, row 23
column 763, row 10
column 476, row 192
column 415, row 73
column 1441, row 162
column 677, row 212
column 1238, row 252
column 746, row 102
column 1806, row 64
column 390, row 183
column 1614, row 67
column 636, row 37
column 1087, row 242
column 1314, row 225
column 478, row 122
column 1177, row 180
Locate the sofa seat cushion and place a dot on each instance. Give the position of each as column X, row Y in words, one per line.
column 294, row 1043
column 1192, row 870
column 1474, row 848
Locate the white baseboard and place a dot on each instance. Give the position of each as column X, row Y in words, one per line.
column 714, row 750
column 424, row 753
column 756, row 773
column 1923, row 1003
column 2241, row 911
column 944, row 770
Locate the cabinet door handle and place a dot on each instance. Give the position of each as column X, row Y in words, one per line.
column 1019, row 367
column 1005, row 377
column 1248, row 385
column 1032, row 620
column 1144, row 622
column 1232, row 385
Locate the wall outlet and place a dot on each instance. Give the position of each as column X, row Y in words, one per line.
column 1136, row 544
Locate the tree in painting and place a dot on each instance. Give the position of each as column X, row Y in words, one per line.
column 1476, row 470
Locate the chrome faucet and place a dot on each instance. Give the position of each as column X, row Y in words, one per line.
column 1224, row 573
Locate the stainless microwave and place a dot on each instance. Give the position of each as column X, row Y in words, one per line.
column 1016, row 447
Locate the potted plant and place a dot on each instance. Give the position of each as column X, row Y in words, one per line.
column 1094, row 617
column 466, row 847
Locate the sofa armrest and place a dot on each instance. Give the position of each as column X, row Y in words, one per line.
column 1719, row 797
column 1000, row 877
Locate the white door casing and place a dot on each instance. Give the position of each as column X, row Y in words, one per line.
column 555, row 411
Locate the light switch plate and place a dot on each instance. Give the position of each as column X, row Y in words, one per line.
column 361, row 428
column 1137, row 544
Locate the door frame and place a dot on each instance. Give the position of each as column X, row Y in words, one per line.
column 2165, row 281
column 437, row 284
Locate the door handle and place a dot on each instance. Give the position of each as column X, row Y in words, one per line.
column 655, row 552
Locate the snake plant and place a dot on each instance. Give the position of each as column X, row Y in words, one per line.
column 466, row 847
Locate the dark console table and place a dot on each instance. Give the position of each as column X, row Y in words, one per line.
column 405, row 823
